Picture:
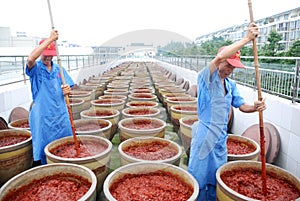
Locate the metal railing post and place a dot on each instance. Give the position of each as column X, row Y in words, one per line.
column 296, row 81
column 181, row 60
column 68, row 61
column 76, row 62
column 24, row 66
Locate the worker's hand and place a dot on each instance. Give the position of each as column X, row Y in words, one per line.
column 66, row 89
column 260, row 105
column 252, row 32
column 53, row 35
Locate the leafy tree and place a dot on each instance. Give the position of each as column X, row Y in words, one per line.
column 207, row 48
column 247, row 51
column 211, row 47
column 174, row 48
column 272, row 48
column 294, row 51
column 190, row 50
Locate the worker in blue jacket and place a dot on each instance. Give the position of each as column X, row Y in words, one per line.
column 49, row 118
column 216, row 94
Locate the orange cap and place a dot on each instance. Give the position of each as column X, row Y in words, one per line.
column 235, row 59
column 50, row 50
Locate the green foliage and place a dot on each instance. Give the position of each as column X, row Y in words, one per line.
column 211, row 47
column 207, row 48
column 247, row 51
column 175, row 49
column 294, row 51
column 273, row 48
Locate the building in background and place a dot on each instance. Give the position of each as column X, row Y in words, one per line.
column 286, row 23
column 19, row 39
column 21, row 44
column 22, row 39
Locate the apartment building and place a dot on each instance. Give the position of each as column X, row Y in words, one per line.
column 286, row 23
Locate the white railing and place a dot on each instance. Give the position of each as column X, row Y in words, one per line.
column 277, row 79
column 12, row 68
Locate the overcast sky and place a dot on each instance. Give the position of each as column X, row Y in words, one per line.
column 93, row 22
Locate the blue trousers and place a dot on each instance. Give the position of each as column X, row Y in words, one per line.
column 207, row 194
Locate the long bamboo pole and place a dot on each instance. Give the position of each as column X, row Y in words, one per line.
column 261, row 123
column 64, row 82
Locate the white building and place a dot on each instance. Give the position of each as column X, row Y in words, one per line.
column 286, row 23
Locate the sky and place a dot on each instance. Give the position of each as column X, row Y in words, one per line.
column 94, row 22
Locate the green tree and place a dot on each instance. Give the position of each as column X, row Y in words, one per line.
column 174, row 48
column 273, row 47
column 294, row 51
column 211, row 47
column 247, row 51
column 207, row 48
column 191, row 50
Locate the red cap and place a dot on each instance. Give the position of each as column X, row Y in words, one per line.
column 235, row 59
column 50, row 50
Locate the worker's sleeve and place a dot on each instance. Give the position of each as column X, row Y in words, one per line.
column 237, row 99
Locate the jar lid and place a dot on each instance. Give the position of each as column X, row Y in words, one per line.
column 272, row 140
column 18, row 113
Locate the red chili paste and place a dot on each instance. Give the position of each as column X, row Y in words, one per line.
column 142, row 95
column 141, row 112
column 87, row 148
column 116, row 90
column 10, row 140
column 177, row 99
column 155, row 150
column 73, row 101
column 186, row 108
column 141, row 88
column 171, row 95
column 248, row 182
column 21, row 124
column 236, row 147
column 143, row 124
column 112, row 97
column 158, row 185
column 142, row 104
column 59, row 187
column 91, row 126
column 107, row 101
column 100, row 113
column 142, row 91
column 190, row 122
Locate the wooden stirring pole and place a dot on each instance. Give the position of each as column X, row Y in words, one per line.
column 64, row 82
column 261, row 123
